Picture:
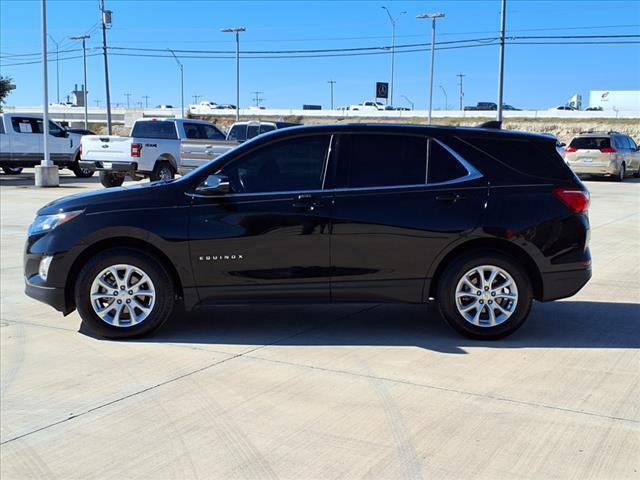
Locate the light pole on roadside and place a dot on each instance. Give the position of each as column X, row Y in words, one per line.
column 409, row 101
column 85, row 91
column 331, row 84
column 237, row 31
column 446, row 104
column 57, row 67
column 181, row 83
column 433, row 17
column 106, row 23
column 503, row 21
column 461, row 76
column 393, row 47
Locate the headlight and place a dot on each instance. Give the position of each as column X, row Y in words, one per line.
column 45, row 223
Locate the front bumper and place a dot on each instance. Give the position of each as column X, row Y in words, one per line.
column 99, row 165
column 557, row 285
column 52, row 296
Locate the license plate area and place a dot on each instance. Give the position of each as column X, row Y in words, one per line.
column 107, row 165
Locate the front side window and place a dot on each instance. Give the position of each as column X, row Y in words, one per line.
column 191, row 130
column 211, row 133
column 238, row 133
column 290, row 165
column 252, row 131
column 381, row 160
column 264, row 128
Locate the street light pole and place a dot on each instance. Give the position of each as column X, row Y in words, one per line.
column 408, row 100
column 85, row 91
column 460, row 76
column 106, row 19
column 393, row 48
column 181, row 83
column 503, row 21
column 433, row 17
column 57, row 68
column 331, row 83
column 237, row 31
column 446, row 105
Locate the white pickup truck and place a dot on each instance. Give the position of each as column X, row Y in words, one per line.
column 155, row 150
column 22, row 144
column 367, row 106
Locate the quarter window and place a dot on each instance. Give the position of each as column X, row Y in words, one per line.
column 290, row 165
column 442, row 165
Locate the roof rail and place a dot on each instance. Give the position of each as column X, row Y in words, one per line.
column 494, row 124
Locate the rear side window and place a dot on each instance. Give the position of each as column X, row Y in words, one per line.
column 25, row 125
column 151, row 129
column 266, row 128
column 590, row 143
column 442, row 165
column 238, row 133
column 252, row 131
column 381, row 161
column 529, row 156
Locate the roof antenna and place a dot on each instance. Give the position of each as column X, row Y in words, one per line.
column 493, row 124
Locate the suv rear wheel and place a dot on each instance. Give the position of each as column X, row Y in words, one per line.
column 109, row 180
column 81, row 172
column 485, row 295
column 124, row 293
column 162, row 171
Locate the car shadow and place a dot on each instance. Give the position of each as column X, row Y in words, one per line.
column 28, row 180
column 564, row 324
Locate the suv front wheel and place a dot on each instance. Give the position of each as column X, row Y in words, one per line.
column 485, row 295
column 124, row 293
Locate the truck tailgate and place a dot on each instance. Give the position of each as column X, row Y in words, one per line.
column 108, row 148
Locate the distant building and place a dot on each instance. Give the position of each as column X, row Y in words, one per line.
column 80, row 96
column 615, row 100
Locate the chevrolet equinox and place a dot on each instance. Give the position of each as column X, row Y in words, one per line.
column 482, row 221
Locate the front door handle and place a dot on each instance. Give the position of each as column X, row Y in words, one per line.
column 449, row 197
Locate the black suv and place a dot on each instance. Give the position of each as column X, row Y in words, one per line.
column 483, row 221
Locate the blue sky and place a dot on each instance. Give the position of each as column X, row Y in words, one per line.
column 536, row 76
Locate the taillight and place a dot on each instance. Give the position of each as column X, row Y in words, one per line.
column 577, row 200
column 571, row 149
column 608, row 150
column 136, row 148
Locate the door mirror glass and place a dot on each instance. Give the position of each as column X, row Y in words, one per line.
column 214, row 185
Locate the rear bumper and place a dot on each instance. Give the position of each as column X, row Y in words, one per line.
column 98, row 165
column 52, row 296
column 558, row 285
column 597, row 169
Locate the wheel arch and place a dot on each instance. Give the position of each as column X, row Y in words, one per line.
column 483, row 244
column 167, row 157
column 117, row 242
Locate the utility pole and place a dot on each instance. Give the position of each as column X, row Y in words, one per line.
column 461, row 76
column 409, row 101
column 46, row 173
column 237, row 31
column 393, row 48
column 331, row 83
column 181, row 83
column 503, row 22
column 433, row 17
column 106, row 23
column 97, row 103
column 146, row 100
column 196, row 98
column 257, row 98
column 139, row 104
column 446, row 104
column 57, row 68
column 128, row 95
column 84, row 88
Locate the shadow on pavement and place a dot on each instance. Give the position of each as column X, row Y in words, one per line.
column 28, row 180
column 566, row 324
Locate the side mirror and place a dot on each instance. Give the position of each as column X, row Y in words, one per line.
column 60, row 134
column 563, row 144
column 214, row 185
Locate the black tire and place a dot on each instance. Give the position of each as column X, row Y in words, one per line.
column 162, row 283
column 622, row 173
column 81, row 172
column 637, row 174
column 12, row 170
column 162, row 171
column 446, row 294
column 109, row 180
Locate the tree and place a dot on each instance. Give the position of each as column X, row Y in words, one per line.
column 6, row 86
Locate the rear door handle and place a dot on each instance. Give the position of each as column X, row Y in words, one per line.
column 306, row 202
column 449, row 197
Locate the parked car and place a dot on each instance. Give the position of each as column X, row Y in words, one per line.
column 593, row 109
column 564, row 107
column 481, row 220
column 482, row 106
column 609, row 154
column 22, row 144
column 243, row 131
column 152, row 151
column 370, row 106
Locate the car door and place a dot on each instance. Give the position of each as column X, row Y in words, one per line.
column 61, row 144
column 634, row 154
column 399, row 201
column 268, row 238
column 26, row 142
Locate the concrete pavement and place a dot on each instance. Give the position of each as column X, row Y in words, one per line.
column 376, row 391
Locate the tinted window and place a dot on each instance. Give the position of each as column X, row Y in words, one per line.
column 590, row 143
column 443, row 166
column 381, row 161
column 252, row 131
column 1, row 125
column 632, row 143
column 191, row 130
column 54, row 129
column 266, row 128
column 153, row 129
column 291, row 165
column 25, row 125
column 211, row 133
column 238, row 133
